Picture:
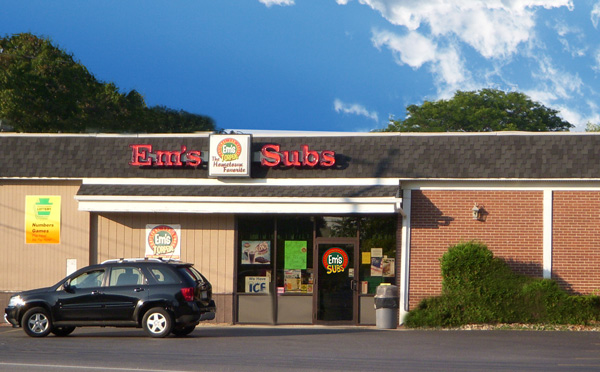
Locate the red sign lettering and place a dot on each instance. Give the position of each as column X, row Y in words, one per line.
column 142, row 155
column 272, row 156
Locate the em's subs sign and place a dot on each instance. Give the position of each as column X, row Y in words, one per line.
column 146, row 156
column 229, row 155
column 273, row 155
column 335, row 260
column 162, row 241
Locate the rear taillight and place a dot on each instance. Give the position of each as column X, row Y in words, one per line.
column 188, row 293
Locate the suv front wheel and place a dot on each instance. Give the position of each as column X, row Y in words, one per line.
column 157, row 322
column 36, row 322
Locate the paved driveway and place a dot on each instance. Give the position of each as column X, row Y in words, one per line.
column 248, row 348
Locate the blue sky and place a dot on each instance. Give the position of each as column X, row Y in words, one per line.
column 326, row 65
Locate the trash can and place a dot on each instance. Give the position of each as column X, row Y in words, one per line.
column 386, row 307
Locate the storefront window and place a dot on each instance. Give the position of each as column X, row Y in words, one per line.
column 255, row 256
column 336, row 227
column 377, row 252
column 295, row 255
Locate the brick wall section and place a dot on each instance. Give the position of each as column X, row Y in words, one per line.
column 576, row 240
column 513, row 230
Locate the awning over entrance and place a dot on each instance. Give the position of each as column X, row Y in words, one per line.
column 239, row 199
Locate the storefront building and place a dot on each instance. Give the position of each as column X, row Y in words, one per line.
column 300, row 229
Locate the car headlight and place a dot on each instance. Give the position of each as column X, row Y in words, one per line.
column 16, row 301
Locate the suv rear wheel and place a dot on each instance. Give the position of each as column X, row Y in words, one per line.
column 183, row 331
column 36, row 322
column 62, row 331
column 157, row 322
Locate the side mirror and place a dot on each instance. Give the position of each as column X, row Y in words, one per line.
column 67, row 286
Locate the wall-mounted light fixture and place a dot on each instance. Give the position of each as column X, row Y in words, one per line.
column 477, row 212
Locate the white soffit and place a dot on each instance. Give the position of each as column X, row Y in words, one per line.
column 239, row 205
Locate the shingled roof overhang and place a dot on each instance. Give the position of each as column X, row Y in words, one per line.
column 404, row 156
column 239, row 199
column 382, row 158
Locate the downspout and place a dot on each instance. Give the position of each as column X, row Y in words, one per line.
column 405, row 255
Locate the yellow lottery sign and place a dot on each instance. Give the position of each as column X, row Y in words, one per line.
column 42, row 219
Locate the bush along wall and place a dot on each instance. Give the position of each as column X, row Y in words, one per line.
column 480, row 288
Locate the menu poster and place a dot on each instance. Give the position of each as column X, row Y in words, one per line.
column 256, row 252
column 376, row 266
column 295, row 255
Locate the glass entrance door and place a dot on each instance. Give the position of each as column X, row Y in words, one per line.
column 336, row 285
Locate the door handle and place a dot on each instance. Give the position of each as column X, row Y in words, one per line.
column 96, row 292
column 138, row 290
column 353, row 285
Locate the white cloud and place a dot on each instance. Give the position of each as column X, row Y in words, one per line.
column 572, row 38
column 270, row 3
column 412, row 49
column 342, row 2
column 596, row 67
column 494, row 28
column 595, row 14
column 415, row 50
column 562, row 83
column 354, row 109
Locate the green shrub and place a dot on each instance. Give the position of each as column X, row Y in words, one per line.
column 479, row 288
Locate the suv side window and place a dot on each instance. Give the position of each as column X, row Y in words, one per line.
column 164, row 275
column 126, row 275
column 88, row 279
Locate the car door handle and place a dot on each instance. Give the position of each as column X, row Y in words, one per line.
column 138, row 290
column 96, row 292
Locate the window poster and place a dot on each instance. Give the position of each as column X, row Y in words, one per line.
column 388, row 267
column 295, row 255
column 256, row 252
column 257, row 284
column 293, row 280
column 376, row 269
column 377, row 252
column 42, row 219
column 376, row 261
column 366, row 258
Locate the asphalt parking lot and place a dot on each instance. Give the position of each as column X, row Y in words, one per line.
column 278, row 348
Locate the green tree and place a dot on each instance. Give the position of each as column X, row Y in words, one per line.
column 480, row 111
column 43, row 89
column 592, row 127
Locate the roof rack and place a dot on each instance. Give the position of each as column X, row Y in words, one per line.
column 145, row 259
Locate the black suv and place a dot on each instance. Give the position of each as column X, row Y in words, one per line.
column 161, row 297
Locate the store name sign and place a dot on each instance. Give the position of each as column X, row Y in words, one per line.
column 144, row 155
column 229, row 155
column 272, row 156
column 335, row 260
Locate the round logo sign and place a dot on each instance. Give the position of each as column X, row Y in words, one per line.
column 335, row 260
column 229, row 149
column 163, row 240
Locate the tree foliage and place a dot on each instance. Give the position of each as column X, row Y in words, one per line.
column 480, row 111
column 43, row 89
column 592, row 127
